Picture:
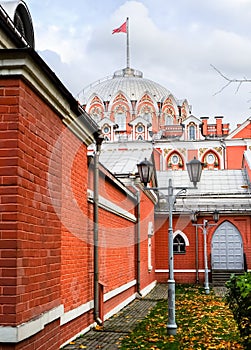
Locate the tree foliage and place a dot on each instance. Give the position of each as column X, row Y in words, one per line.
column 239, row 300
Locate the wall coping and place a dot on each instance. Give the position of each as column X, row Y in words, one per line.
column 9, row 334
column 30, row 67
column 111, row 207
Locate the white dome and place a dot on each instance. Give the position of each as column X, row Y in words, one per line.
column 128, row 81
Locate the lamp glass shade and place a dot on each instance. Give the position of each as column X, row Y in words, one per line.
column 145, row 170
column 193, row 217
column 194, row 168
column 216, row 215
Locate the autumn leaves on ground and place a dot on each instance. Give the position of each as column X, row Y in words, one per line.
column 204, row 322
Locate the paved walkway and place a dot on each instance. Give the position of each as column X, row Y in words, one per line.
column 121, row 324
column 118, row 326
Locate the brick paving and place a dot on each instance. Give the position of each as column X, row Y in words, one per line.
column 220, row 291
column 118, row 326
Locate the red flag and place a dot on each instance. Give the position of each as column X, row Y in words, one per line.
column 121, row 29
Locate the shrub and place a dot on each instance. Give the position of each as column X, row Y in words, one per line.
column 238, row 297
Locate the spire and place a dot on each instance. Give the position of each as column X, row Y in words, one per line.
column 127, row 44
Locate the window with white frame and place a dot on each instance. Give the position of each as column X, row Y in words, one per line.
column 210, row 158
column 106, row 129
column 140, row 128
column 191, row 132
column 96, row 116
column 179, row 245
column 168, row 119
column 120, row 120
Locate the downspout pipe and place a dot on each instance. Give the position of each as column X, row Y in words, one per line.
column 138, row 242
column 132, row 177
column 197, row 254
column 98, row 139
column 223, row 145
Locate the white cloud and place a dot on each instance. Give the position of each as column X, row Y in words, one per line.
column 173, row 43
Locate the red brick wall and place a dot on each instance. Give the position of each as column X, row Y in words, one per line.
column 146, row 216
column 181, row 261
column 46, row 245
column 8, row 202
column 188, row 260
column 116, row 236
column 76, row 268
column 117, row 259
column 30, row 229
column 48, row 338
column 118, row 299
column 69, row 330
column 46, row 250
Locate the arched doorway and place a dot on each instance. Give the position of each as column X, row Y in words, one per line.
column 227, row 248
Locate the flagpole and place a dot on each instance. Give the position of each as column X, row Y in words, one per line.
column 127, row 44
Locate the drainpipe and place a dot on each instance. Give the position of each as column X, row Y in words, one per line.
column 223, row 145
column 138, row 242
column 132, row 177
column 197, row 254
column 98, row 139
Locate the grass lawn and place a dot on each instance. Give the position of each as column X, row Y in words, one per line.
column 204, row 322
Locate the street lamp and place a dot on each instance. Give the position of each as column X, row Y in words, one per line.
column 204, row 228
column 145, row 170
column 194, row 168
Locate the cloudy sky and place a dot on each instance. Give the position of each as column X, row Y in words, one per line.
column 172, row 42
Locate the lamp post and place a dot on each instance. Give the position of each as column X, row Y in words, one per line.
column 145, row 170
column 204, row 228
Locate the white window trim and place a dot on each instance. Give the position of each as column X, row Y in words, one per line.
column 149, row 246
column 183, row 235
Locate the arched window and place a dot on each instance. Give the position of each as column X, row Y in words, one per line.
column 120, row 119
column 210, row 158
column 191, row 134
column 147, row 116
column 106, row 129
column 175, row 162
column 96, row 117
column 168, row 119
column 140, row 128
column 96, row 113
column 211, row 161
column 179, row 245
